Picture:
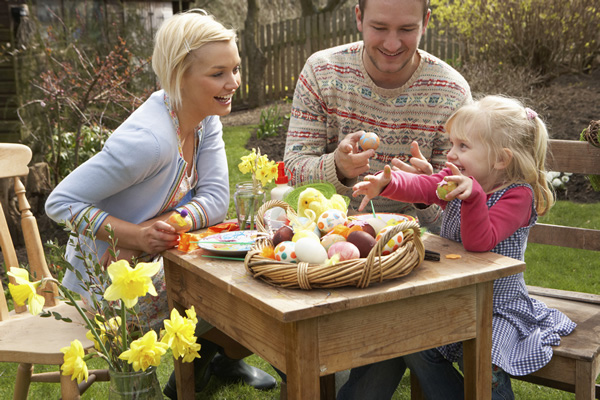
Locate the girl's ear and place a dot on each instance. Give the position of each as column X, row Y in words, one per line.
column 506, row 156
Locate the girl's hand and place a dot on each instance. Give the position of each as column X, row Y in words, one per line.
column 464, row 184
column 157, row 237
column 371, row 186
column 418, row 162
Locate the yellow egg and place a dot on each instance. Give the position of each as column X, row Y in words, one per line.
column 305, row 234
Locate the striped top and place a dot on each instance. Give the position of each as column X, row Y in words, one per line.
column 335, row 96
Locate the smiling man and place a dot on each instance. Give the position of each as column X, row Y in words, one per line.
column 382, row 84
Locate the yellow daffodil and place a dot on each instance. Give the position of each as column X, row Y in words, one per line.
column 130, row 283
column 25, row 290
column 113, row 325
column 144, row 352
column 179, row 335
column 259, row 166
column 74, row 364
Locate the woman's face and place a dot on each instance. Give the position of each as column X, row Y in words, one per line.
column 211, row 80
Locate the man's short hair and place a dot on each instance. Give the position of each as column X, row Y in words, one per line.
column 363, row 3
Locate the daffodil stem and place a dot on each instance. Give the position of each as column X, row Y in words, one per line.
column 88, row 323
column 124, row 325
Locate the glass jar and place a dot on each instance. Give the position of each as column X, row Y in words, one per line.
column 248, row 199
column 140, row 385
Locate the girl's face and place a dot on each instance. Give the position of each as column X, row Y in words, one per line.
column 471, row 156
column 209, row 83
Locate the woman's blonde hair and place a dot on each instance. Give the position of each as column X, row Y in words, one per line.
column 176, row 39
column 504, row 123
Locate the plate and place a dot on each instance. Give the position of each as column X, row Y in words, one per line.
column 388, row 218
column 234, row 244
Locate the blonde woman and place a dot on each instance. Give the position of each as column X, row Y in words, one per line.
column 168, row 156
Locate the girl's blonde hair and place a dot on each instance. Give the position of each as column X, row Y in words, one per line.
column 176, row 39
column 504, row 123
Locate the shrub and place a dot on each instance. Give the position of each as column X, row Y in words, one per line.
column 270, row 122
column 547, row 35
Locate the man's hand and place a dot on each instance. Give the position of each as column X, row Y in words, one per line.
column 349, row 161
column 418, row 163
column 371, row 186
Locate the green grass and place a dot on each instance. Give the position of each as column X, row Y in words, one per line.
column 546, row 266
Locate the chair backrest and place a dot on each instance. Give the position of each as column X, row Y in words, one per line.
column 14, row 159
column 580, row 158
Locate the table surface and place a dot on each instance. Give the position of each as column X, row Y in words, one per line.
column 342, row 321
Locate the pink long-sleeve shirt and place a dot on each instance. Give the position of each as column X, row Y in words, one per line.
column 482, row 228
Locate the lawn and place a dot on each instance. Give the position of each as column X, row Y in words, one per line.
column 556, row 268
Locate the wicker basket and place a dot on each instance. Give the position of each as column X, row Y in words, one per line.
column 359, row 272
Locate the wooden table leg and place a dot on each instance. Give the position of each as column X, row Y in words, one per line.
column 302, row 360
column 477, row 354
column 184, row 372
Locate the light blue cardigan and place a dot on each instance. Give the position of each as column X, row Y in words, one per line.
column 136, row 174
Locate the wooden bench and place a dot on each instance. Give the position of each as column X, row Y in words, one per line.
column 575, row 365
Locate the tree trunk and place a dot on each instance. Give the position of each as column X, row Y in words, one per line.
column 256, row 58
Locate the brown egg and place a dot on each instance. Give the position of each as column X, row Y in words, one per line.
column 363, row 241
column 364, row 226
column 283, row 234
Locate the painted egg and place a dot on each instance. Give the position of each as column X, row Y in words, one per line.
column 393, row 244
column 328, row 240
column 286, row 251
column 310, row 251
column 346, row 251
column 445, row 187
column 368, row 140
column 305, row 234
column 330, row 219
column 282, row 234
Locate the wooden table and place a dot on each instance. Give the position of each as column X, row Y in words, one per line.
column 315, row 333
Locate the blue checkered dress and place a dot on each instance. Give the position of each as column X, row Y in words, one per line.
column 523, row 329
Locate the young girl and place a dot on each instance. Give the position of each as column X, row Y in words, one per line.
column 497, row 161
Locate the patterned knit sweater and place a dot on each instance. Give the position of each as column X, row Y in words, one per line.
column 335, row 96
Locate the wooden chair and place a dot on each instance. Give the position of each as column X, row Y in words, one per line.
column 575, row 365
column 27, row 339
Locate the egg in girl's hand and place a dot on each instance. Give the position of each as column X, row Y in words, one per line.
column 393, row 243
column 346, row 251
column 328, row 240
column 286, row 251
column 363, row 241
column 445, row 187
column 368, row 140
column 330, row 219
column 310, row 251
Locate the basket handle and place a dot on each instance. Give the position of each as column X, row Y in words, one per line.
column 260, row 218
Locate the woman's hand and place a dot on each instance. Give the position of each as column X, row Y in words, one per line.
column 157, row 237
column 418, row 162
column 371, row 186
column 464, row 184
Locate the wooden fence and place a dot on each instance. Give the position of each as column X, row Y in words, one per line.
column 287, row 44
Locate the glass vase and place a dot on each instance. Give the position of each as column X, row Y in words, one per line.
column 248, row 199
column 140, row 385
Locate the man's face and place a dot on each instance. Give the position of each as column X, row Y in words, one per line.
column 391, row 32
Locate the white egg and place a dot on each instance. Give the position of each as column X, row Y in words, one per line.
column 377, row 224
column 310, row 251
